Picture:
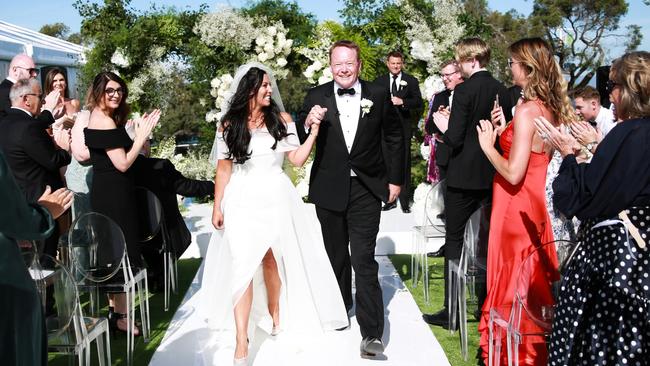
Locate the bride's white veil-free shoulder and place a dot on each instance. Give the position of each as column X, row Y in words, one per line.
column 239, row 74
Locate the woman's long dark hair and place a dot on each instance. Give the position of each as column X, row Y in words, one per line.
column 235, row 121
column 97, row 90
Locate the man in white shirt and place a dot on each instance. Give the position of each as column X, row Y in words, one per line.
column 350, row 178
column 597, row 120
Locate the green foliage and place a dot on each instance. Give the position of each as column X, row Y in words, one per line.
column 576, row 30
column 358, row 12
column 58, row 30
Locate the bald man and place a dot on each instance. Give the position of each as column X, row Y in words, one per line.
column 21, row 67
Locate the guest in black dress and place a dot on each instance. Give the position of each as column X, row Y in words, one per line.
column 603, row 313
column 112, row 153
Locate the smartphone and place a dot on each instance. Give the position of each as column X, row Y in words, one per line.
column 496, row 101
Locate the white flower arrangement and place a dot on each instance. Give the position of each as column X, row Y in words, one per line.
column 226, row 27
column 428, row 44
column 119, row 58
column 154, row 74
column 318, row 53
column 272, row 48
column 432, row 85
column 419, row 197
column 366, row 104
column 221, row 92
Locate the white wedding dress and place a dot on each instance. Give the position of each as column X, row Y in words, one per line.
column 262, row 210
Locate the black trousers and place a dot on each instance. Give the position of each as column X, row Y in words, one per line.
column 460, row 204
column 405, row 192
column 357, row 227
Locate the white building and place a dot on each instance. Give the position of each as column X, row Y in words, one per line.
column 45, row 50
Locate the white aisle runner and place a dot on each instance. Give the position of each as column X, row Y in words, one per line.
column 408, row 340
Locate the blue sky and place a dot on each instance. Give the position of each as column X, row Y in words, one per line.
column 39, row 12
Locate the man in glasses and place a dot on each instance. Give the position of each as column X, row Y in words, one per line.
column 21, row 67
column 31, row 153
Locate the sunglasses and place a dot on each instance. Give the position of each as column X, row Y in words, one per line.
column 31, row 70
column 610, row 85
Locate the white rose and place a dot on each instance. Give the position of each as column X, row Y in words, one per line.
column 309, row 73
column 215, row 82
column 327, row 72
column 213, row 92
column 260, row 40
column 271, row 30
column 317, row 65
column 282, row 62
column 227, row 78
column 263, row 57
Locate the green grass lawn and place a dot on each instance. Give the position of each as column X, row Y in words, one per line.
column 450, row 342
column 160, row 320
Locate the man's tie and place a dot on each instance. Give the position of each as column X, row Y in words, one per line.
column 393, row 88
column 341, row 91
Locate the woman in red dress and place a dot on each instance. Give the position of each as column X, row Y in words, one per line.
column 520, row 221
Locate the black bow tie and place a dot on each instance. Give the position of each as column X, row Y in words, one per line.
column 341, row 91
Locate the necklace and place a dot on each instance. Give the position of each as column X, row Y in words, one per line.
column 254, row 123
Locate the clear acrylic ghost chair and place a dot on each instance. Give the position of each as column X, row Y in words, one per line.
column 530, row 316
column 152, row 223
column 70, row 331
column 468, row 272
column 98, row 253
column 431, row 227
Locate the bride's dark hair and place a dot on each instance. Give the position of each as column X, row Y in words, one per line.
column 236, row 133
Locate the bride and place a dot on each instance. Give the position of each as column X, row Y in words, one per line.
column 266, row 266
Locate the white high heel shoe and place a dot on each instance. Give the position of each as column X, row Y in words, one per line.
column 240, row 361
column 276, row 330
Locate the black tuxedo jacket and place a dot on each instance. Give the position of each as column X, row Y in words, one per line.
column 473, row 101
column 410, row 112
column 161, row 177
column 443, row 152
column 5, row 102
column 329, row 185
column 30, row 152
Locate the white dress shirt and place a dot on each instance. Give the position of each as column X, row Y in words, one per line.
column 605, row 120
column 349, row 107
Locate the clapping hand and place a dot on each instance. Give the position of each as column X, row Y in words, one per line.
column 62, row 138
column 56, row 202
column 441, row 119
column 52, row 101
column 145, row 124
column 487, row 134
column 559, row 140
column 585, row 133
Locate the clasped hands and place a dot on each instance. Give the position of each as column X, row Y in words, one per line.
column 314, row 118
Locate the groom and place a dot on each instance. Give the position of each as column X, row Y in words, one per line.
column 350, row 179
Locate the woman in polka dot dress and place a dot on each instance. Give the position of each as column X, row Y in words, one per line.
column 603, row 312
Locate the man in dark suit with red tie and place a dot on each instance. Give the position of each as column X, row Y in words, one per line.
column 406, row 105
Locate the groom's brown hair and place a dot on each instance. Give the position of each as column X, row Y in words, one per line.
column 347, row 44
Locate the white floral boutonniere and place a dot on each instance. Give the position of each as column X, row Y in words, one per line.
column 366, row 104
column 403, row 83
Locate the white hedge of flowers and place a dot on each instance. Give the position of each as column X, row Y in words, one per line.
column 318, row 72
column 226, row 27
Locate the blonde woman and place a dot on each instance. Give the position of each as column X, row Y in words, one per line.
column 603, row 312
column 520, row 221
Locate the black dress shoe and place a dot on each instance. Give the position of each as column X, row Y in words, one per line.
column 440, row 318
column 438, row 253
column 389, row 206
column 371, row 347
column 406, row 210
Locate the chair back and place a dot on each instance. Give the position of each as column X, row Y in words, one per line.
column 66, row 300
column 150, row 213
column 97, row 246
column 537, row 286
column 434, row 205
column 475, row 240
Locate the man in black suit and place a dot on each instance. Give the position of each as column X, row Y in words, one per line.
column 20, row 67
column 440, row 107
column 161, row 177
column 349, row 180
column 470, row 174
column 405, row 105
column 33, row 157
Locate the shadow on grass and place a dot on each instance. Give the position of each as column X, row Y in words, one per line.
column 449, row 342
column 160, row 320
